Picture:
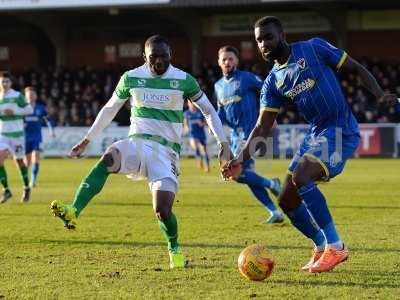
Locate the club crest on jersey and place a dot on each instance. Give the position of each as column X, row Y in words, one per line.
column 301, row 63
column 174, row 84
column 141, row 82
column 236, row 84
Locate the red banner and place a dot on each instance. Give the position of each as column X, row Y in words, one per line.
column 370, row 141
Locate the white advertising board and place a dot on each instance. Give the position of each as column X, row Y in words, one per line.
column 376, row 140
column 67, row 137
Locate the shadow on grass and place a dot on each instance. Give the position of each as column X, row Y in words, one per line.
column 363, row 207
column 375, row 274
column 139, row 244
column 111, row 203
column 198, row 245
column 335, row 284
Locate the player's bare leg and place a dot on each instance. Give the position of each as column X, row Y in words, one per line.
column 162, row 205
column 23, row 169
column 308, row 171
column 3, row 177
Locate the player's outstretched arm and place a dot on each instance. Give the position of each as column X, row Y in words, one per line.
column 266, row 121
column 368, row 80
column 51, row 128
column 103, row 119
column 215, row 125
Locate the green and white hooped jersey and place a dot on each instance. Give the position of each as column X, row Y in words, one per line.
column 12, row 126
column 157, row 103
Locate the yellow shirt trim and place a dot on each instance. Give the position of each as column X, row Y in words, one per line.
column 323, row 165
column 341, row 61
column 271, row 109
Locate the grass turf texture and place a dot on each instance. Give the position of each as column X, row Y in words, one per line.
column 118, row 251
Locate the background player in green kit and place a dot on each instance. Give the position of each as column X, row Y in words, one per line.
column 157, row 91
column 13, row 107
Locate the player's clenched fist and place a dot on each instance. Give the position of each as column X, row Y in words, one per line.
column 79, row 148
column 231, row 170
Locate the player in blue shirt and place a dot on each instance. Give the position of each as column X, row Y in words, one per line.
column 305, row 73
column 237, row 95
column 33, row 132
column 194, row 123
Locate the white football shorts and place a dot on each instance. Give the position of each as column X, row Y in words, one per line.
column 141, row 159
column 16, row 146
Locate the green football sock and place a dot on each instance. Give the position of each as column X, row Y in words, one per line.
column 3, row 177
column 169, row 228
column 23, row 170
column 90, row 186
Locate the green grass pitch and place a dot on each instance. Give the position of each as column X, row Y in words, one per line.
column 118, row 252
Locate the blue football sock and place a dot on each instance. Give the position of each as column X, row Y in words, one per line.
column 257, row 185
column 206, row 159
column 262, row 195
column 316, row 204
column 252, row 178
column 35, row 172
column 301, row 219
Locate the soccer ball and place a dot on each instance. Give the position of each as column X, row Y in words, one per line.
column 255, row 262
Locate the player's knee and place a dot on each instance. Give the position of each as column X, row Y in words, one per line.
column 112, row 159
column 299, row 180
column 162, row 213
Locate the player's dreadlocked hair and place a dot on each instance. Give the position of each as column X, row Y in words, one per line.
column 269, row 20
column 156, row 39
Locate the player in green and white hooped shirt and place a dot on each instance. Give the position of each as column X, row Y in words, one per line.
column 13, row 107
column 157, row 91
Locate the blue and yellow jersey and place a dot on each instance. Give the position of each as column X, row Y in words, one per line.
column 237, row 99
column 33, row 122
column 309, row 79
column 196, row 123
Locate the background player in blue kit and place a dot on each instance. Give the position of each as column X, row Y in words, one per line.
column 305, row 73
column 237, row 95
column 33, row 132
column 194, row 123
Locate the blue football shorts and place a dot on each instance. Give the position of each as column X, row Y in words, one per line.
column 330, row 148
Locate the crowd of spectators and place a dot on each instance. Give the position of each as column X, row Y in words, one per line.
column 74, row 97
